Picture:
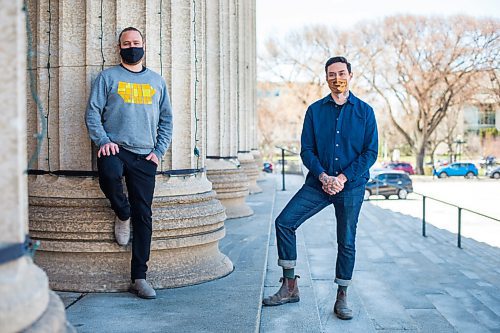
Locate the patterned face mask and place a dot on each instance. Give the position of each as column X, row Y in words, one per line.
column 337, row 86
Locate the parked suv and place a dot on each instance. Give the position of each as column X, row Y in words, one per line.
column 467, row 170
column 387, row 183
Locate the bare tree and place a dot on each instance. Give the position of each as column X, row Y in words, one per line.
column 422, row 67
column 418, row 68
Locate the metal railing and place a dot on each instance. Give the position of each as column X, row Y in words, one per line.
column 291, row 153
column 460, row 209
column 424, row 197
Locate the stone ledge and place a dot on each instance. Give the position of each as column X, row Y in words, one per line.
column 80, row 254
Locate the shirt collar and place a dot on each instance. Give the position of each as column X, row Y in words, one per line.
column 329, row 98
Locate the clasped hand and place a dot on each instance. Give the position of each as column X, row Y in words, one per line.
column 332, row 185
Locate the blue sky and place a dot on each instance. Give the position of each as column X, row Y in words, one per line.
column 280, row 16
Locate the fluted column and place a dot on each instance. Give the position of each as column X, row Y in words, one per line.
column 70, row 214
column 223, row 169
column 26, row 303
column 245, row 131
column 253, row 135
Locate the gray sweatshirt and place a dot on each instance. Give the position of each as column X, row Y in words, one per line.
column 130, row 109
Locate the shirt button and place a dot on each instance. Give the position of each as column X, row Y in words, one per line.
column 336, row 172
column 336, row 145
column 336, row 158
column 338, row 132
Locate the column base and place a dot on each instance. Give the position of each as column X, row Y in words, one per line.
column 53, row 319
column 251, row 170
column 231, row 186
column 260, row 164
column 79, row 253
column 27, row 304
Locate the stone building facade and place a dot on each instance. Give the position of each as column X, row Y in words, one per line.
column 206, row 52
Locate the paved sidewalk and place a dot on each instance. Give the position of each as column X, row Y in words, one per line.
column 229, row 304
column 402, row 281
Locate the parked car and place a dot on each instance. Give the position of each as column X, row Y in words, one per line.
column 403, row 166
column 467, row 170
column 488, row 161
column 386, row 183
column 493, row 172
column 268, row 167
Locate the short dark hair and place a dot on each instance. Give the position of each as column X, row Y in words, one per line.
column 333, row 60
column 129, row 29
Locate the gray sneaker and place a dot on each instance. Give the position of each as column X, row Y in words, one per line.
column 142, row 288
column 122, row 231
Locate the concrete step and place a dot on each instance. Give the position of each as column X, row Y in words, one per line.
column 297, row 317
column 316, row 265
column 436, row 282
column 320, row 236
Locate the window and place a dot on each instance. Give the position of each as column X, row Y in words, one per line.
column 487, row 115
column 392, row 177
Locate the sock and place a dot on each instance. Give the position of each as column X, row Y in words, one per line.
column 289, row 273
column 343, row 288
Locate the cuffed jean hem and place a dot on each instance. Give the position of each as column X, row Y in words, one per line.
column 287, row 264
column 343, row 283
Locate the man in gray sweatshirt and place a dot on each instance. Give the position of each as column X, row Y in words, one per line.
column 129, row 118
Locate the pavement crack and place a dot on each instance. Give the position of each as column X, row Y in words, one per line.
column 76, row 300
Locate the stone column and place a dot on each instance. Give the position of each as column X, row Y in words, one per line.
column 69, row 213
column 253, row 135
column 26, row 302
column 245, row 32
column 223, row 168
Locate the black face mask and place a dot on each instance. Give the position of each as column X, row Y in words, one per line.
column 132, row 55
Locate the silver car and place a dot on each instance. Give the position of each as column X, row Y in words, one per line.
column 493, row 172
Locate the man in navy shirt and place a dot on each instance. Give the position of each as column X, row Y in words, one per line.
column 339, row 144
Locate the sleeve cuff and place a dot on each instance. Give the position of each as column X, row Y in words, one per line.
column 103, row 141
column 349, row 174
column 317, row 170
column 158, row 154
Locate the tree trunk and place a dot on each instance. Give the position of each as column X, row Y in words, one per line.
column 419, row 166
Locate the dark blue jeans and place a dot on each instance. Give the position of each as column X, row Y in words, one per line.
column 307, row 202
column 139, row 176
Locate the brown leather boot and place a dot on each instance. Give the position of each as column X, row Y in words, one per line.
column 340, row 308
column 288, row 293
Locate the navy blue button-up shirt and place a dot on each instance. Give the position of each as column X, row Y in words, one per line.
column 347, row 144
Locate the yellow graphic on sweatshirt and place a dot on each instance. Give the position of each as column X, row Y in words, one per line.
column 136, row 93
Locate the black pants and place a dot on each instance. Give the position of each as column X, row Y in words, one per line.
column 139, row 176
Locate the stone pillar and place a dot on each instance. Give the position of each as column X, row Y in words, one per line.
column 26, row 302
column 253, row 135
column 70, row 214
column 223, row 168
column 245, row 91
